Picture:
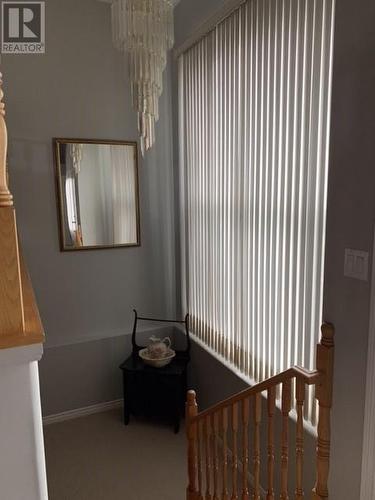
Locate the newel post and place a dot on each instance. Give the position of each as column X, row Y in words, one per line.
column 324, row 362
column 6, row 198
column 11, row 302
column 191, row 429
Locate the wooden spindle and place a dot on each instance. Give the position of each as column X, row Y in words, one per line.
column 285, row 409
column 191, row 412
column 256, row 455
column 207, row 440
column 235, row 452
column 199, row 450
column 245, row 449
column 271, row 405
column 324, row 363
column 300, row 398
column 215, row 454
column 225, row 453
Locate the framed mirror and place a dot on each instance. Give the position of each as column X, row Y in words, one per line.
column 98, row 194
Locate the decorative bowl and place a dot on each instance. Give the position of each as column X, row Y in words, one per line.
column 156, row 362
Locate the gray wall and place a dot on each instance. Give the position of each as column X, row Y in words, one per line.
column 79, row 88
column 351, row 207
column 86, row 373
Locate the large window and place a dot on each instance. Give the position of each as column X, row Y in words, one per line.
column 254, row 132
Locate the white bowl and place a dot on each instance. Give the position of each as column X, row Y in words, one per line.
column 156, row 362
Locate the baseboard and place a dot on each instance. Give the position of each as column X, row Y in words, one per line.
column 82, row 412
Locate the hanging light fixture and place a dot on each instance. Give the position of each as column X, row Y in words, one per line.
column 144, row 30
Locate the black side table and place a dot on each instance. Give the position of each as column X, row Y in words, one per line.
column 155, row 392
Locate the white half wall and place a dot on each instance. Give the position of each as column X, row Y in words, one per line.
column 22, row 461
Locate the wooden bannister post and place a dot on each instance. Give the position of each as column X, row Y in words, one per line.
column 271, row 405
column 245, row 449
column 256, row 452
column 225, row 453
column 234, row 452
column 207, row 445
column 199, row 456
column 192, row 431
column 324, row 363
column 215, row 454
column 6, row 198
column 300, row 398
column 285, row 410
column 12, row 322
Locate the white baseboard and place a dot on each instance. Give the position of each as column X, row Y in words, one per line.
column 82, row 412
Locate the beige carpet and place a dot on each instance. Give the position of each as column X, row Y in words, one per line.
column 98, row 458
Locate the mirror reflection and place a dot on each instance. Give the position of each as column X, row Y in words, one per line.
column 98, row 193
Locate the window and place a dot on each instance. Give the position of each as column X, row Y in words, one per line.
column 254, row 97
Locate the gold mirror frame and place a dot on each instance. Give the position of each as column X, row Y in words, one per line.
column 59, row 192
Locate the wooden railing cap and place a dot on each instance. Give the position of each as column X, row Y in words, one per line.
column 328, row 333
column 191, row 398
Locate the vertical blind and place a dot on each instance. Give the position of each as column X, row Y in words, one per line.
column 254, row 99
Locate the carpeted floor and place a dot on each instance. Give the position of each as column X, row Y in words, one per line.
column 98, row 458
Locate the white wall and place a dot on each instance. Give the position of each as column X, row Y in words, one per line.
column 22, row 463
column 79, row 88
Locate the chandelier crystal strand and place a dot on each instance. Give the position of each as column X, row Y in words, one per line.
column 144, row 30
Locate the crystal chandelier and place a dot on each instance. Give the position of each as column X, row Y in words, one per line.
column 144, row 30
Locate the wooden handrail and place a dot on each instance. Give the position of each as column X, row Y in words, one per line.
column 308, row 377
column 321, row 378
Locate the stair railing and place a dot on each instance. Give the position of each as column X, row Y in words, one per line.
column 221, row 471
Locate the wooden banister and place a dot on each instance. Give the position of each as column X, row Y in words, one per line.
column 239, row 427
column 20, row 323
column 308, row 377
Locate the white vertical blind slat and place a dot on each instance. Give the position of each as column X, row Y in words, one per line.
column 254, row 133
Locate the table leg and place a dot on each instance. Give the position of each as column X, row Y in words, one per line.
column 126, row 418
column 177, row 424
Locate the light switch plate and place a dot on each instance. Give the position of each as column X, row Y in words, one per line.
column 356, row 264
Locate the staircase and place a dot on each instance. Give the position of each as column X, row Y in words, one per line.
column 225, row 441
